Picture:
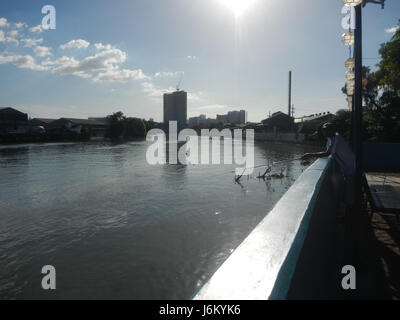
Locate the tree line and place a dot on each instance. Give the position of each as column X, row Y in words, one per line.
column 121, row 127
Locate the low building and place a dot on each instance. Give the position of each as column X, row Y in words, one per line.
column 42, row 122
column 309, row 124
column 95, row 128
column 13, row 121
column 278, row 122
column 318, row 117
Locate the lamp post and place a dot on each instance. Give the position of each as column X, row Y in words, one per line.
column 356, row 63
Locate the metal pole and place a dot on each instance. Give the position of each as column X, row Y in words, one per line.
column 357, row 138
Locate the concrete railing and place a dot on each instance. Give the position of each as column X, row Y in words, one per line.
column 290, row 253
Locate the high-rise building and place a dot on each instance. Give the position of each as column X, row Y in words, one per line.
column 175, row 108
column 243, row 116
column 237, row 117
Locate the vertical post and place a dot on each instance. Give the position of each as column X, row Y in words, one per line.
column 356, row 217
column 290, row 94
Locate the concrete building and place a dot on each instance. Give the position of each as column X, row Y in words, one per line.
column 175, row 108
column 233, row 117
column 222, row 118
column 201, row 121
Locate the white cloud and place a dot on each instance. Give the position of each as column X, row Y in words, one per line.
column 105, row 60
column 36, row 29
column 79, row 44
column 100, row 46
column 194, row 96
column 3, row 22
column 10, row 38
column 123, row 75
column 103, row 66
column 22, row 61
column 392, row 30
column 168, row 74
column 42, row 51
column 13, row 33
column 29, row 43
column 19, row 25
column 157, row 93
column 154, row 92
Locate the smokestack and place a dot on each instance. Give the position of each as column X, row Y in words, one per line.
column 290, row 94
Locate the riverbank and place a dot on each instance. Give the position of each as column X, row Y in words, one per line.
column 22, row 139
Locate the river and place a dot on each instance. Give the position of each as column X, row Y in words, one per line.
column 115, row 227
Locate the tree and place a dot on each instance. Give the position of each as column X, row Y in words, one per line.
column 342, row 122
column 117, row 127
column 381, row 94
column 134, row 128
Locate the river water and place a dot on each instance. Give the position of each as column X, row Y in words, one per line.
column 115, row 227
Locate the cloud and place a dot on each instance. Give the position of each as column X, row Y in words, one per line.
column 105, row 60
column 3, row 23
column 36, row 29
column 66, row 66
column 79, row 44
column 22, row 61
column 13, row 33
column 20, row 25
column 103, row 66
column 29, row 42
column 42, row 51
column 392, row 30
column 100, row 46
column 10, row 38
column 117, row 75
column 155, row 92
column 168, row 74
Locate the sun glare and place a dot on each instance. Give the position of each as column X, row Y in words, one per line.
column 238, row 7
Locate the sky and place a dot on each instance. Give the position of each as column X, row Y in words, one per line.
column 106, row 56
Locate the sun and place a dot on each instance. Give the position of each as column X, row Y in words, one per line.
column 238, row 7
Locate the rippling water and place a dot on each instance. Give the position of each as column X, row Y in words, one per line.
column 115, row 227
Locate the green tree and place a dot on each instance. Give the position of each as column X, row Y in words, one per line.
column 117, row 126
column 342, row 122
column 381, row 94
column 134, row 127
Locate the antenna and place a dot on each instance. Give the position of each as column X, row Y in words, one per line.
column 180, row 81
